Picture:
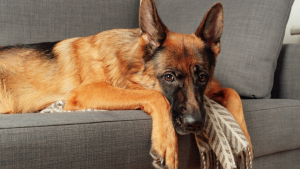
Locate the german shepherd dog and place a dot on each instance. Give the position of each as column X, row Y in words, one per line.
column 150, row 68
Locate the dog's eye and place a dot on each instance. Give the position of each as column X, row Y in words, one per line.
column 169, row 78
column 202, row 77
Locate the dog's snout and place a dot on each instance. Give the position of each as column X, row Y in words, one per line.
column 182, row 108
column 193, row 123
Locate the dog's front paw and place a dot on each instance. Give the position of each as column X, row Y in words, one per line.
column 158, row 159
column 164, row 150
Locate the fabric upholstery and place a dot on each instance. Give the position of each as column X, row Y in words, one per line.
column 273, row 124
column 287, row 75
column 115, row 139
column 251, row 41
column 281, row 160
column 32, row 21
column 121, row 139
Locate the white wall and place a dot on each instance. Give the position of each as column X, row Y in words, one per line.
column 294, row 20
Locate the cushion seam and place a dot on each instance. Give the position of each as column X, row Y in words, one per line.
column 298, row 148
column 70, row 124
column 273, row 108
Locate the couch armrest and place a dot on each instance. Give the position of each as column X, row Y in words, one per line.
column 287, row 74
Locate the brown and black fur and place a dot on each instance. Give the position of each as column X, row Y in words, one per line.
column 148, row 68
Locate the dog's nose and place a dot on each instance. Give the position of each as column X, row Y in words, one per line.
column 193, row 123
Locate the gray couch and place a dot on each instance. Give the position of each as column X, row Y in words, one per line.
column 253, row 61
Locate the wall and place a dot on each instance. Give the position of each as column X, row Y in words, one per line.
column 294, row 20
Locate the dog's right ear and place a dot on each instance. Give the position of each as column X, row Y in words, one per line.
column 153, row 31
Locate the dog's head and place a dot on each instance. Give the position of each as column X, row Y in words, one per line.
column 183, row 64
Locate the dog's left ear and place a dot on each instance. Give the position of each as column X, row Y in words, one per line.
column 153, row 31
column 210, row 30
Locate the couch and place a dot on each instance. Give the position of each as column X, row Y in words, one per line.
column 253, row 61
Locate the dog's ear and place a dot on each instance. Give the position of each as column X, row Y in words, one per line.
column 153, row 31
column 210, row 30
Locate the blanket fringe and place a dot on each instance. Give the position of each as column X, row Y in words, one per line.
column 243, row 159
column 210, row 161
column 246, row 158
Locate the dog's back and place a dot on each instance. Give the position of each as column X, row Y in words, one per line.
column 33, row 76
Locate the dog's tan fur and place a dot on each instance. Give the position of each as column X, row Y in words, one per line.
column 108, row 71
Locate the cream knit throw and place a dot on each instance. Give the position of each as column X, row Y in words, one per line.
column 222, row 143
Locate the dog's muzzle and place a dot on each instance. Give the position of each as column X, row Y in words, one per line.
column 194, row 121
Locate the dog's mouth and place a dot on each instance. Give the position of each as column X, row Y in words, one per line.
column 183, row 129
column 178, row 125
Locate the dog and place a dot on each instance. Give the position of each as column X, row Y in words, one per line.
column 163, row 73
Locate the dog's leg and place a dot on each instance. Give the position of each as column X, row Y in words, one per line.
column 164, row 148
column 231, row 100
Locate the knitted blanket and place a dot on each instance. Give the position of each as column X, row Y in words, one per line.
column 222, row 143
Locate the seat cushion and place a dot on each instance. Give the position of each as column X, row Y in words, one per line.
column 273, row 124
column 250, row 44
column 121, row 139
column 102, row 139
column 287, row 159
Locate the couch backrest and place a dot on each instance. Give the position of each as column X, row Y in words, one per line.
column 32, row 21
column 287, row 74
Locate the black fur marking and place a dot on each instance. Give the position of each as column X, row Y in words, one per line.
column 185, row 52
column 149, row 56
column 210, row 56
column 44, row 47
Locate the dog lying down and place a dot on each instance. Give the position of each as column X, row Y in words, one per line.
column 163, row 73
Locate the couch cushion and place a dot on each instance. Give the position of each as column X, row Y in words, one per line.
column 250, row 44
column 287, row 159
column 114, row 139
column 121, row 139
column 273, row 124
column 31, row 21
